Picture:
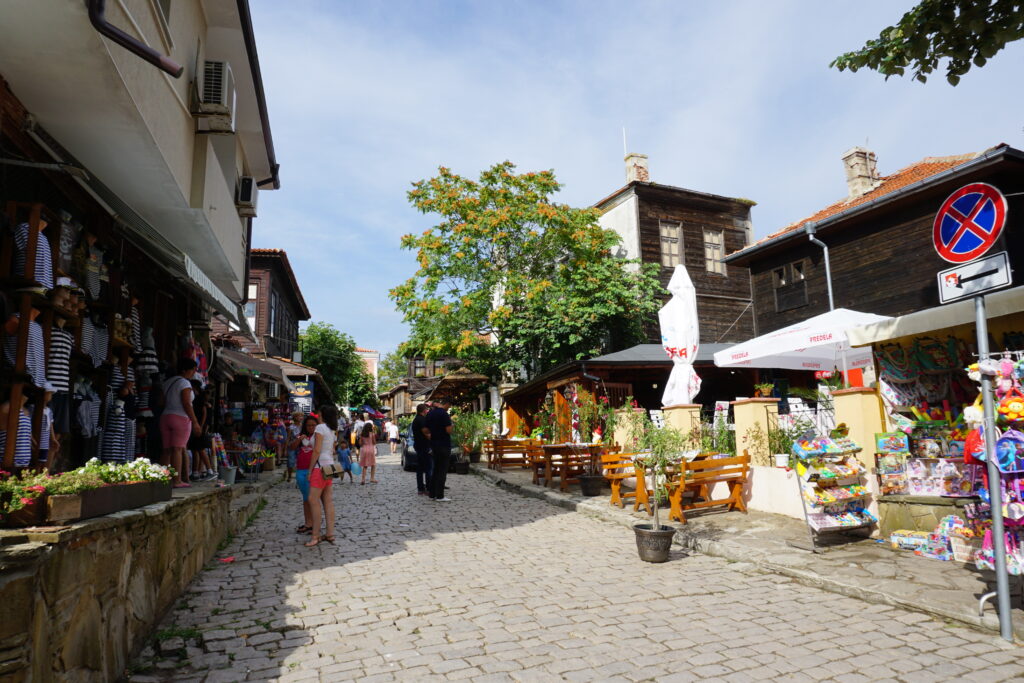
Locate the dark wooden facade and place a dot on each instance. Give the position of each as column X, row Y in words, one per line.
column 882, row 258
column 723, row 300
column 275, row 305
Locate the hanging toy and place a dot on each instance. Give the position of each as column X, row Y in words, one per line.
column 1012, row 405
column 974, row 414
column 973, row 372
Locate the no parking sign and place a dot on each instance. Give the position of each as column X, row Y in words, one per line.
column 969, row 222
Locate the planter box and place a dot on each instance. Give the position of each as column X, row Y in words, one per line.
column 106, row 500
column 268, row 465
column 92, row 503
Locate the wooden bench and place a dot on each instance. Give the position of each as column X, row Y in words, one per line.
column 537, row 461
column 699, row 475
column 620, row 466
column 503, row 453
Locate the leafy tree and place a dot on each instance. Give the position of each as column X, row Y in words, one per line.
column 394, row 368
column 511, row 281
column 333, row 353
column 966, row 32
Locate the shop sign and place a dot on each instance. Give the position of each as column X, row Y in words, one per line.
column 969, row 222
column 302, row 396
column 823, row 374
column 975, row 278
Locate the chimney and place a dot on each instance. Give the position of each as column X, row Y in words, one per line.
column 636, row 168
column 861, row 171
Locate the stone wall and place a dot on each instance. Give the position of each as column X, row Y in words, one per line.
column 918, row 513
column 76, row 602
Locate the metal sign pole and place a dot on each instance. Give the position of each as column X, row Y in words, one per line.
column 994, row 489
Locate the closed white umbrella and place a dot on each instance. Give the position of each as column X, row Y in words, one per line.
column 680, row 337
column 818, row 343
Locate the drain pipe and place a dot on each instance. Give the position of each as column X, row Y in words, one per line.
column 97, row 10
column 810, row 230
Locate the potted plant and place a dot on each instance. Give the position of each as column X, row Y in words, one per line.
column 764, row 389
column 661, row 449
column 595, row 418
column 469, row 431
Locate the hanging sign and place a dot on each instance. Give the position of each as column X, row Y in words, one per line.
column 969, row 222
column 302, row 397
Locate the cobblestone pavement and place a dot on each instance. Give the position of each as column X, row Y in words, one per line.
column 497, row 587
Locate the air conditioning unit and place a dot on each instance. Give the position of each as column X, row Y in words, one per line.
column 273, row 391
column 215, row 97
column 245, row 197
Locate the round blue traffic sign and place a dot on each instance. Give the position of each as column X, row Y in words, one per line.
column 969, row 222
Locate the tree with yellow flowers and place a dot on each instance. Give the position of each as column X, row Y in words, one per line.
column 511, row 281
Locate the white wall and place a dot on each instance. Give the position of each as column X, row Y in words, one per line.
column 622, row 218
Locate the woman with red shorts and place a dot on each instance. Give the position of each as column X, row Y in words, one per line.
column 320, row 491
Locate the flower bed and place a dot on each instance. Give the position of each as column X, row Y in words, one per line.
column 91, row 491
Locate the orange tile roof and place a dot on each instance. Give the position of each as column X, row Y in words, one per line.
column 361, row 350
column 925, row 168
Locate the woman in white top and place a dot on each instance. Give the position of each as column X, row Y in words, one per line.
column 320, row 490
column 178, row 420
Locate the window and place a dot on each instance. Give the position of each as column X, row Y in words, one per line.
column 714, row 251
column 419, row 367
column 790, row 284
column 671, row 243
column 272, row 328
column 250, row 314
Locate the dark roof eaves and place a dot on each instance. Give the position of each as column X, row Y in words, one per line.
column 740, row 258
column 631, row 185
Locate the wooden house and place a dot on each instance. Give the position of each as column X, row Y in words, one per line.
column 669, row 225
column 879, row 239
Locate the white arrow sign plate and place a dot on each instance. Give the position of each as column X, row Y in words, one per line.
column 974, row 278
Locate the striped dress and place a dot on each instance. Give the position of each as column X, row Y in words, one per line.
column 44, row 257
column 35, row 358
column 58, row 364
column 23, row 441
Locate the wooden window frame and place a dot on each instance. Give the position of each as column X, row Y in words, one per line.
column 787, row 280
column 664, row 239
column 713, row 264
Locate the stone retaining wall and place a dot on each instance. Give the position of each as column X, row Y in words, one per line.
column 76, row 602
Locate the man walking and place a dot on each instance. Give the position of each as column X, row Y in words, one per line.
column 420, row 443
column 438, row 428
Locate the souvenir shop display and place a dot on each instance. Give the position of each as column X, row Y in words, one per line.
column 929, row 462
column 831, row 484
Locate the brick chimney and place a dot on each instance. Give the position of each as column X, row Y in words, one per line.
column 636, row 168
column 861, row 171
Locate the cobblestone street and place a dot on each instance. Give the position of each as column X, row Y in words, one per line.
column 497, row 587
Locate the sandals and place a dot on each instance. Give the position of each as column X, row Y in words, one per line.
column 312, row 543
column 329, row 539
column 303, row 529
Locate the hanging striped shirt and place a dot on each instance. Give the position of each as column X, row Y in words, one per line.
column 58, row 365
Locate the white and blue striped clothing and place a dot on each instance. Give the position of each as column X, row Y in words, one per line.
column 58, row 365
column 44, row 435
column 23, row 440
column 44, row 257
column 35, row 356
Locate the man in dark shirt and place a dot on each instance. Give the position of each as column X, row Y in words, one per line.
column 421, row 445
column 438, row 428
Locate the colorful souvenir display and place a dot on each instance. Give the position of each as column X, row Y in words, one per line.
column 830, row 478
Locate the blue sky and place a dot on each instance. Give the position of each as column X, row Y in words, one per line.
column 729, row 97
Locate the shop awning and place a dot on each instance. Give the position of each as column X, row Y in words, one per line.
column 244, row 364
column 998, row 304
column 818, row 343
column 293, row 369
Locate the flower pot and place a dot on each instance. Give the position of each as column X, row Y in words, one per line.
column 30, row 515
column 462, row 467
column 268, row 465
column 781, row 459
column 653, row 544
column 227, row 473
column 591, row 484
column 474, row 456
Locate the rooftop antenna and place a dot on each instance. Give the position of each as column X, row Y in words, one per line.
column 625, row 149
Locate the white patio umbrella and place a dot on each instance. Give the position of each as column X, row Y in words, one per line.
column 680, row 337
column 818, row 343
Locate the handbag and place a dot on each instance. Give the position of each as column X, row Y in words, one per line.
column 333, row 470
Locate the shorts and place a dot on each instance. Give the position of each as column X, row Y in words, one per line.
column 292, row 457
column 394, row 440
column 317, row 480
column 302, row 481
column 175, row 430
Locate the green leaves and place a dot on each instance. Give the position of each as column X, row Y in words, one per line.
column 333, row 353
column 510, row 280
column 964, row 32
